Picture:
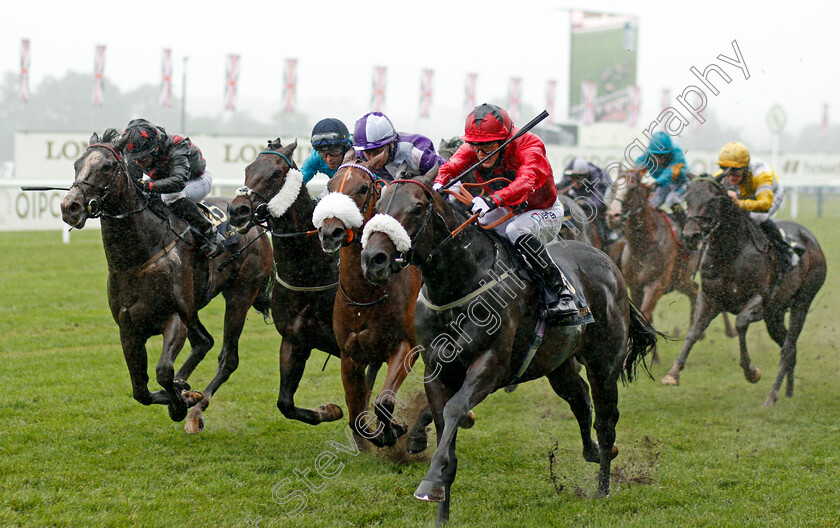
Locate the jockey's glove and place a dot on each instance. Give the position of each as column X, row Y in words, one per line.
column 437, row 187
column 482, row 204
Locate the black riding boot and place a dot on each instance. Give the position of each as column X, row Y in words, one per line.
column 679, row 214
column 558, row 299
column 187, row 210
column 787, row 257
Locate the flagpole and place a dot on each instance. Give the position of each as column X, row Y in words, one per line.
column 184, row 98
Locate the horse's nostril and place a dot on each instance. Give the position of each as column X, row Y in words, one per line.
column 379, row 259
column 338, row 233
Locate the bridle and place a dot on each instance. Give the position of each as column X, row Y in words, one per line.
column 375, row 189
column 95, row 207
column 260, row 213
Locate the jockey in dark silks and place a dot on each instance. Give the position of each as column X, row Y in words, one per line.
column 759, row 192
column 587, row 185
column 531, row 194
column 174, row 168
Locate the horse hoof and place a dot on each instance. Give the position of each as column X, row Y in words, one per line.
column 772, row 398
column 192, row 397
column 754, row 375
column 670, row 379
column 330, row 412
column 182, row 384
column 430, row 492
column 177, row 412
column 469, row 420
column 194, row 425
column 613, row 452
column 417, row 444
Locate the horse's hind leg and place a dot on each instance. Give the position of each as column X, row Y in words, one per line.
column 200, row 343
column 787, row 362
column 292, row 365
column 706, row 311
column 568, row 384
column 134, row 351
column 605, row 397
column 418, row 440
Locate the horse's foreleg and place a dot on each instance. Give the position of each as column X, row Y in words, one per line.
column 357, row 397
column 292, row 365
column 753, row 311
column 605, row 398
column 134, row 351
column 568, row 384
column 174, row 337
column 481, row 379
column 385, row 402
column 200, row 343
column 236, row 311
column 652, row 293
column 706, row 311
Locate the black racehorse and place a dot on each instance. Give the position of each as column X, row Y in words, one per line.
column 475, row 321
column 158, row 279
column 740, row 275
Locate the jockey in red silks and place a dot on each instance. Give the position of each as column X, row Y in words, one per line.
column 531, row 195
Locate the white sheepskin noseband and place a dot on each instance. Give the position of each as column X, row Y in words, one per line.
column 337, row 205
column 388, row 224
column 287, row 194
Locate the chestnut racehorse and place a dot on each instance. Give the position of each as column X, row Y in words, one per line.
column 158, row 279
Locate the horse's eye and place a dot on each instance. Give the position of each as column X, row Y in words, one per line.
column 418, row 208
column 364, row 189
column 277, row 174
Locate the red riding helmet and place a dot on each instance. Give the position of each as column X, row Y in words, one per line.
column 487, row 122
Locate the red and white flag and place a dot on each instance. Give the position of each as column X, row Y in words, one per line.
column 166, row 79
column 289, row 86
column 377, row 98
column 425, row 92
column 825, row 121
column 231, row 78
column 514, row 96
column 551, row 87
column 666, row 98
column 635, row 104
column 469, row 93
column 24, row 71
column 588, row 92
column 99, row 76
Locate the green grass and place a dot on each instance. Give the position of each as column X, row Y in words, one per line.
column 76, row 450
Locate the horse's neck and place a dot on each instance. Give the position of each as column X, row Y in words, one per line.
column 640, row 227
column 302, row 255
column 733, row 237
column 132, row 240
column 458, row 267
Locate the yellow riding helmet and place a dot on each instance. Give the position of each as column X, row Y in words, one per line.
column 734, row 155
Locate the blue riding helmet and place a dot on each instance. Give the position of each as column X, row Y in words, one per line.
column 330, row 132
column 660, row 143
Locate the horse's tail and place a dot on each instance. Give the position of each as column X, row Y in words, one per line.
column 640, row 341
column 262, row 303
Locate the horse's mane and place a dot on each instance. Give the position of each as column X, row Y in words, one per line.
column 111, row 135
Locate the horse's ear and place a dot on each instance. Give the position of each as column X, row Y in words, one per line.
column 94, row 138
column 428, row 179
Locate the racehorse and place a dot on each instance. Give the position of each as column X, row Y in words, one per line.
column 740, row 275
column 306, row 278
column 585, row 228
column 158, row 279
column 475, row 320
column 654, row 261
column 372, row 323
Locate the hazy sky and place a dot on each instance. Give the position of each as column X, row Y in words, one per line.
column 790, row 48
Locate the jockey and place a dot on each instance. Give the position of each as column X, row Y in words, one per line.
column 174, row 168
column 531, row 194
column 374, row 133
column 330, row 142
column 587, row 185
column 665, row 163
column 759, row 193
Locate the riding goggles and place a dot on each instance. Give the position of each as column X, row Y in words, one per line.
column 327, row 139
column 330, row 151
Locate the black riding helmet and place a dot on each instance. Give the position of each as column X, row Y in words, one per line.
column 329, row 133
column 140, row 139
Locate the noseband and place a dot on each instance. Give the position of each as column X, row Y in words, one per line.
column 95, row 206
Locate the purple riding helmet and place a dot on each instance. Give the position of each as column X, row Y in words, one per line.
column 373, row 130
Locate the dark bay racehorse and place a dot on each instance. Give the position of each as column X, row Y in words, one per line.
column 373, row 324
column 158, row 279
column 654, row 261
column 475, row 320
column 739, row 275
column 307, row 278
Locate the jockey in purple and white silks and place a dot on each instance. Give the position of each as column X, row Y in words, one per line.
column 374, row 133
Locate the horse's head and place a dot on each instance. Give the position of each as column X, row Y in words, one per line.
column 99, row 173
column 630, row 195
column 402, row 230
column 272, row 183
column 354, row 190
column 705, row 203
